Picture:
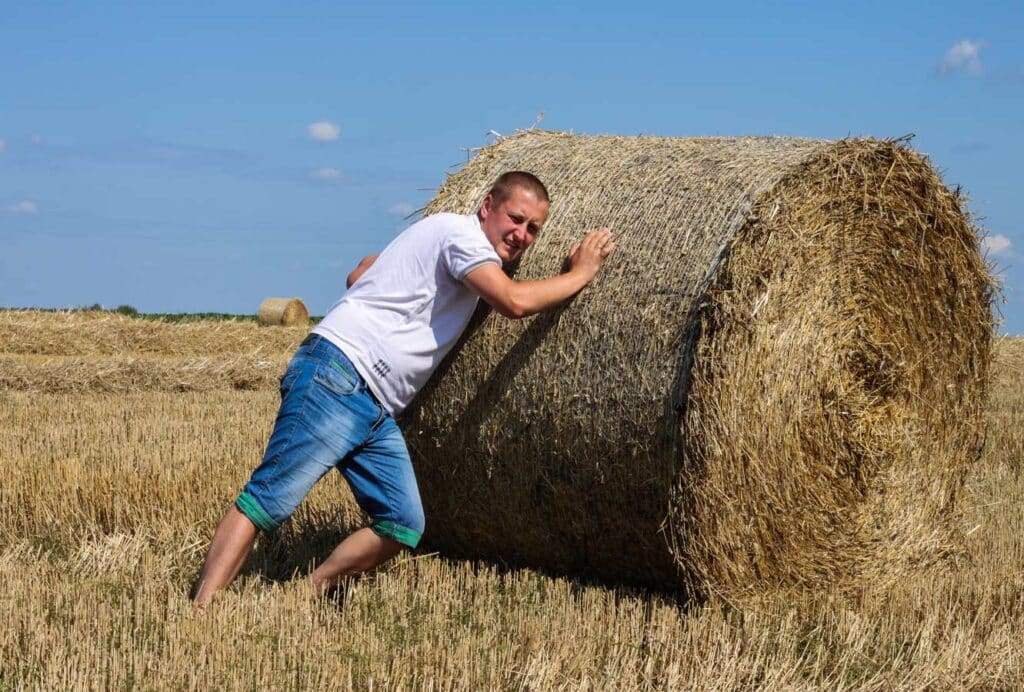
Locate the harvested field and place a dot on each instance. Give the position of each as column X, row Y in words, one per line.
column 27, row 332
column 132, row 373
column 102, row 352
column 108, row 499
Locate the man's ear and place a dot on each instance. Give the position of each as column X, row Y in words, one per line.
column 485, row 207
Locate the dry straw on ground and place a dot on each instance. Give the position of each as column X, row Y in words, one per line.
column 283, row 312
column 140, row 373
column 108, row 501
column 79, row 333
column 777, row 381
column 85, row 351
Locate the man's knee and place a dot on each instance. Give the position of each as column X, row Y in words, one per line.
column 249, row 506
column 405, row 527
column 417, row 521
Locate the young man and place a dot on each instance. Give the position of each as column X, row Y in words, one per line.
column 362, row 365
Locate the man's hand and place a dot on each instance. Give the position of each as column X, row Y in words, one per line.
column 587, row 255
column 516, row 299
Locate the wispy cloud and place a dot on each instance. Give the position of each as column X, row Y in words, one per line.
column 972, row 147
column 3, row 145
column 24, row 207
column 325, row 174
column 324, row 131
column 964, row 57
column 136, row 150
column 173, row 152
column 401, row 209
column 996, row 244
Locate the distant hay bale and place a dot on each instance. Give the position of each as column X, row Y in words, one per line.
column 776, row 382
column 283, row 312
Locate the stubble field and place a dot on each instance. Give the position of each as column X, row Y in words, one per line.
column 122, row 442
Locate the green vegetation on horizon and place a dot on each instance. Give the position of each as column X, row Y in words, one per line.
column 172, row 317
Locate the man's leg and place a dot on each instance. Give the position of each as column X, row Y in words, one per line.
column 361, row 551
column 382, row 479
column 231, row 544
column 320, row 420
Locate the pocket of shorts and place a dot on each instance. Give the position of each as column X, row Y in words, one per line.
column 337, row 376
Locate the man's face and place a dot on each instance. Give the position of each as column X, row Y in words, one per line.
column 512, row 225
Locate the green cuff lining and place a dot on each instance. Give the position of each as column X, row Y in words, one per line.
column 248, row 506
column 389, row 529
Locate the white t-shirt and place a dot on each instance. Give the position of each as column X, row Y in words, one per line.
column 404, row 314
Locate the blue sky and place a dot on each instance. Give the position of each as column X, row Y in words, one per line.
column 202, row 156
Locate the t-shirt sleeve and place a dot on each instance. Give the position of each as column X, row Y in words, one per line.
column 466, row 248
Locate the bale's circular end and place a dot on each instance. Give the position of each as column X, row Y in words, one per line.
column 837, row 390
column 283, row 312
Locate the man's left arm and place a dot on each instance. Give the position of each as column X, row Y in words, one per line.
column 360, row 269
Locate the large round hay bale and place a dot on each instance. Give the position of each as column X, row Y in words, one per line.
column 283, row 312
column 776, row 381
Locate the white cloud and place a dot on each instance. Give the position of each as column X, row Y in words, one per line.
column 24, row 207
column 402, row 209
column 3, row 145
column 963, row 56
column 996, row 244
column 323, row 131
column 38, row 140
column 326, row 174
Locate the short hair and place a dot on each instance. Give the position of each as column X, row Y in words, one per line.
column 506, row 182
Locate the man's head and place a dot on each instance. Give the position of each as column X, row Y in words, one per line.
column 513, row 213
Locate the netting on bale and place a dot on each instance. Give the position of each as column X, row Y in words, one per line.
column 776, row 381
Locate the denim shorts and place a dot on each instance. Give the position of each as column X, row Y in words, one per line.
column 330, row 419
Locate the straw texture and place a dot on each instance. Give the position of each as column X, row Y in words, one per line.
column 776, row 381
column 283, row 312
column 133, row 372
column 92, row 351
column 88, row 334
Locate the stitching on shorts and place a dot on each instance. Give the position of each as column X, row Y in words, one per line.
column 323, row 381
column 288, row 440
column 392, row 505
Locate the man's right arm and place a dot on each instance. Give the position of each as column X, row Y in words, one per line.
column 517, row 299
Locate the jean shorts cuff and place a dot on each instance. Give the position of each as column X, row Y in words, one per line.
column 401, row 534
column 251, row 508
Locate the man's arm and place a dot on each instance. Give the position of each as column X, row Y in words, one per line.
column 517, row 299
column 363, row 265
